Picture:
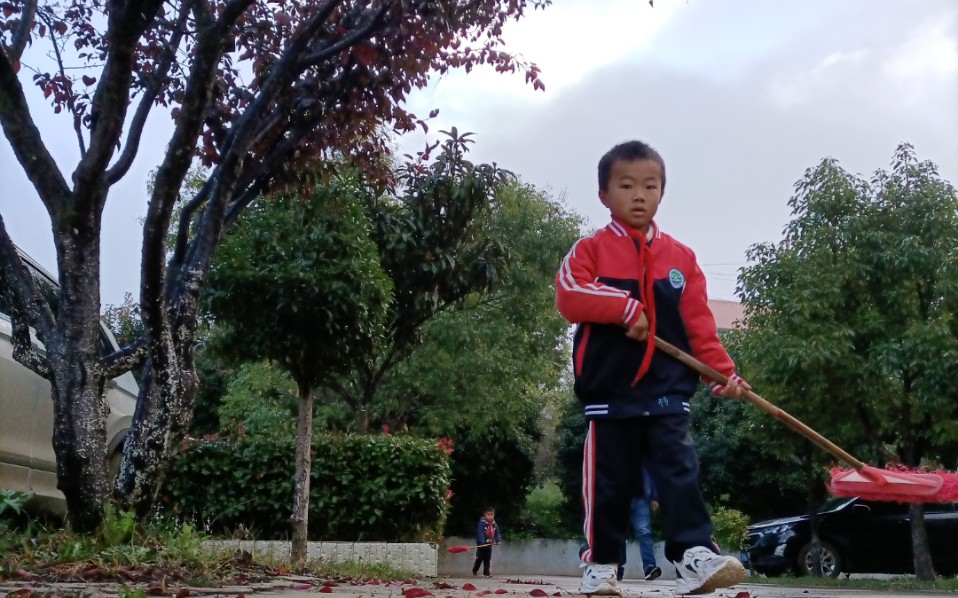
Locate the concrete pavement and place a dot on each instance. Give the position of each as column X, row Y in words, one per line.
column 442, row 587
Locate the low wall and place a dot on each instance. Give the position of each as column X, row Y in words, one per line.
column 539, row 557
column 419, row 558
column 522, row 557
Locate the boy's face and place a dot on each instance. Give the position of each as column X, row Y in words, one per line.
column 490, row 516
column 634, row 192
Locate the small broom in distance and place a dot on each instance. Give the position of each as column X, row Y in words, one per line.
column 862, row 480
column 460, row 549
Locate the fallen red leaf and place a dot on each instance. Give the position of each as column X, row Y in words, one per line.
column 557, row 594
column 537, row 592
column 484, row 593
column 326, row 590
column 441, row 585
column 745, row 595
column 416, row 593
column 24, row 574
column 468, row 587
column 502, row 591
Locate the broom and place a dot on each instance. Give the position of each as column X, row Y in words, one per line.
column 862, row 480
column 459, row 549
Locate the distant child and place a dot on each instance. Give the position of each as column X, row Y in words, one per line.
column 623, row 285
column 487, row 534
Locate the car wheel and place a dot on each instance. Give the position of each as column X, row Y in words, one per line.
column 830, row 562
column 113, row 465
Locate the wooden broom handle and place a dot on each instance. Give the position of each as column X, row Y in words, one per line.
column 761, row 403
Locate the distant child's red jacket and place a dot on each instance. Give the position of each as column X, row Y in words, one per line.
column 601, row 286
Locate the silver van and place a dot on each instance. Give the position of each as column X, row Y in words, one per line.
column 27, row 461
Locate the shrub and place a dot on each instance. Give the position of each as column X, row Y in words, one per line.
column 383, row 488
column 730, row 528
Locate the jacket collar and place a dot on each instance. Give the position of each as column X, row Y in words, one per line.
column 620, row 229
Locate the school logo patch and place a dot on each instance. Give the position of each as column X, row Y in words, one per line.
column 676, row 278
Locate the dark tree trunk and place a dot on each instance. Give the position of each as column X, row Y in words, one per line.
column 77, row 382
column 299, row 520
column 924, row 568
column 160, row 422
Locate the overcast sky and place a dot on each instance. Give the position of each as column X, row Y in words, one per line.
column 739, row 96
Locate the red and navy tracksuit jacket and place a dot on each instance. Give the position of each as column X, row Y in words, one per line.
column 603, row 285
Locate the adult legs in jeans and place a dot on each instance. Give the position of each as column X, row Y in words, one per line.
column 642, row 524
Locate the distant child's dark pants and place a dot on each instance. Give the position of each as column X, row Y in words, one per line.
column 615, row 450
column 483, row 557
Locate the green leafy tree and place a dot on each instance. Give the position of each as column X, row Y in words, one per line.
column 298, row 282
column 570, row 439
column 257, row 91
column 433, row 246
column 489, row 371
column 853, row 316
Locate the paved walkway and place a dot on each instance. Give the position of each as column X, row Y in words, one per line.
column 505, row 586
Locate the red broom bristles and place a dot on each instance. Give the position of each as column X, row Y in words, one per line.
column 946, row 492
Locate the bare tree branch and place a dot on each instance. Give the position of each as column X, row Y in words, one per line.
column 18, row 283
column 122, row 165
column 71, row 101
column 126, row 359
column 127, row 22
column 27, row 144
column 22, row 34
column 361, row 33
column 176, row 163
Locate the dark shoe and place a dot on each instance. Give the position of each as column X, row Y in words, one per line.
column 620, row 573
column 653, row 573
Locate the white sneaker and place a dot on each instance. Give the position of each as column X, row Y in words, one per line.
column 702, row 571
column 600, row 579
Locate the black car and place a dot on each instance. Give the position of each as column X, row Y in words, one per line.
column 857, row 536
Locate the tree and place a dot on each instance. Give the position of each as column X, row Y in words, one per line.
column 433, row 246
column 256, row 90
column 298, row 282
column 489, row 371
column 853, row 316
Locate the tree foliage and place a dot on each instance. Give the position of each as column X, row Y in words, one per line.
column 433, row 246
column 489, row 373
column 853, row 317
column 256, row 90
column 298, row 282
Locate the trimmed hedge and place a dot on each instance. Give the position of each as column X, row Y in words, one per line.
column 362, row 488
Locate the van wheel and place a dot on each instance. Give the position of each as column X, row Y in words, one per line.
column 113, row 465
column 830, row 562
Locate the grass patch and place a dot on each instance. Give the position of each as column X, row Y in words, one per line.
column 163, row 553
column 902, row 583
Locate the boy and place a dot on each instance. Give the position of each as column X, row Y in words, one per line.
column 622, row 286
column 487, row 534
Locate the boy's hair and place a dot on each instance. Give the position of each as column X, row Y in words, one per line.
column 628, row 152
column 488, row 510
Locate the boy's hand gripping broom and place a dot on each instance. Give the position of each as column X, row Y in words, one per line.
column 862, row 480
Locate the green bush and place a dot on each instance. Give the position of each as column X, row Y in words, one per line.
column 381, row 488
column 730, row 528
column 542, row 515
